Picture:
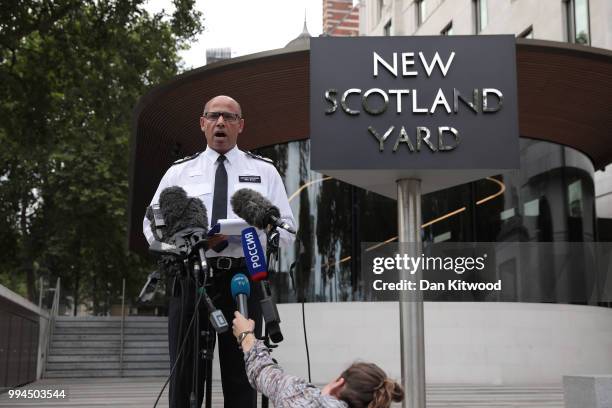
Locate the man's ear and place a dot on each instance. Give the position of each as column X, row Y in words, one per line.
column 202, row 119
column 241, row 126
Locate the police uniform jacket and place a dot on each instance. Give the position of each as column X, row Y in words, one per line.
column 196, row 175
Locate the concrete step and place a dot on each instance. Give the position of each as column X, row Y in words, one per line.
column 92, row 331
column 147, row 357
column 100, row 365
column 111, row 319
column 107, row 373
column 80, row 324
column 146, row 351
column 140, row 344
column 86, row 330
column 85, row 337
column 84, row 344
column 82, row 373
column 83, row 351
column 108, row 358
column 106, row 365
column 83, row 358
column 110, row 337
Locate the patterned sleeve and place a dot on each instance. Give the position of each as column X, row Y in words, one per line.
column 270, row 379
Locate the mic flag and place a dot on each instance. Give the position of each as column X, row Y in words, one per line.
column 241, row 290
column 254, row 255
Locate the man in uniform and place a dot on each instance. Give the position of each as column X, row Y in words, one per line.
column 213, row 176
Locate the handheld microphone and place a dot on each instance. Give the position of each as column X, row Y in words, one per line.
column 241, row 290
column 254, row 255
column 258, row 270
column 257, row 210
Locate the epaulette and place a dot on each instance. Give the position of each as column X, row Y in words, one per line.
column 258, row 157
column 186, row 159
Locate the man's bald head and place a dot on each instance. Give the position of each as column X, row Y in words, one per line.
column 226, row 99
column 224, row 125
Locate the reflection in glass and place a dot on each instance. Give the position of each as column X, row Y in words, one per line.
column 577, row 12
column 550, row 199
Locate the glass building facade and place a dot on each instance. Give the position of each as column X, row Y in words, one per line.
column 550, row 199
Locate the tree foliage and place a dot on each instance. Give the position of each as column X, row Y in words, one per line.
column 71, row 73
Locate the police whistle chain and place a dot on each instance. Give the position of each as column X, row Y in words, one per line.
column 258, row 271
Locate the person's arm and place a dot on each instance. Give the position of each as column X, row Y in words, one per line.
column 166, row 181
column 263, row 373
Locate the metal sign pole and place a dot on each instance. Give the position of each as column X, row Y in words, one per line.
column 411, row 302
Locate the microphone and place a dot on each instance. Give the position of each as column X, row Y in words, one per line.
column 181, row 212
column 186, row 222
column 150, row 287
column 241, row 290
column 254, row 255
column 257, row 210
column 258, row 270
column 217, row 319
column 158, row 225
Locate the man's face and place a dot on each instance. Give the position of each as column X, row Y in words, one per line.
column 221, row 133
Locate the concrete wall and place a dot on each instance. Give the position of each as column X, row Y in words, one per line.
column 466, row 343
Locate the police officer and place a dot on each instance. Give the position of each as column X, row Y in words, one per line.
column 213, row 176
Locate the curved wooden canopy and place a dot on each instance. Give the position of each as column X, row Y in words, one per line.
column 565, row 96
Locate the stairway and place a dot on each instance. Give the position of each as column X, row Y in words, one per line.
column 91, row 347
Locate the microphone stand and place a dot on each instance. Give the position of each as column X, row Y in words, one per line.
column 268, row 309
column 198, row 244
column 191, row 245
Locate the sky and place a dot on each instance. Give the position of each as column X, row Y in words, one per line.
column 247, row 26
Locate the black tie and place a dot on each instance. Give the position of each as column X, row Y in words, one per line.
column 219, row 211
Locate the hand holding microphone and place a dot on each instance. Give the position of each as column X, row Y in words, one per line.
column 241, row 290
column 241, row 327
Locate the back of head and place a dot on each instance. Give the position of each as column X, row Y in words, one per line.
column 366, row 386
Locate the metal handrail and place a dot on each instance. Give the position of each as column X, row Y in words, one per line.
column 122, row 329
column 51, row 325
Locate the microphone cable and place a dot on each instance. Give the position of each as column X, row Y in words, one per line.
column 302, row 301
column 180, row 353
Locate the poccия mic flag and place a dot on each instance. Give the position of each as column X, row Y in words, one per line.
column 254, row 255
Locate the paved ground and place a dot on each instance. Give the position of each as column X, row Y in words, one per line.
column 142, row 392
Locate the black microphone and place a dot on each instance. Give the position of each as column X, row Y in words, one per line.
column 241, row 290
column 181, row 212
column 186, row 221
column 158, row 225
column 217, row 319
column 257, row 210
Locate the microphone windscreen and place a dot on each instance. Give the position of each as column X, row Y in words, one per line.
column 251, row 206
column 240, row 285
column 181, row 212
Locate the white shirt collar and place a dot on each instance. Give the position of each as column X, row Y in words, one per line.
column 231, row 156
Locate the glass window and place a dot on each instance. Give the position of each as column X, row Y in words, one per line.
column 421, row 11
column 379, row 7
column 481, row 15
column 577, row 12
column 550, row 199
